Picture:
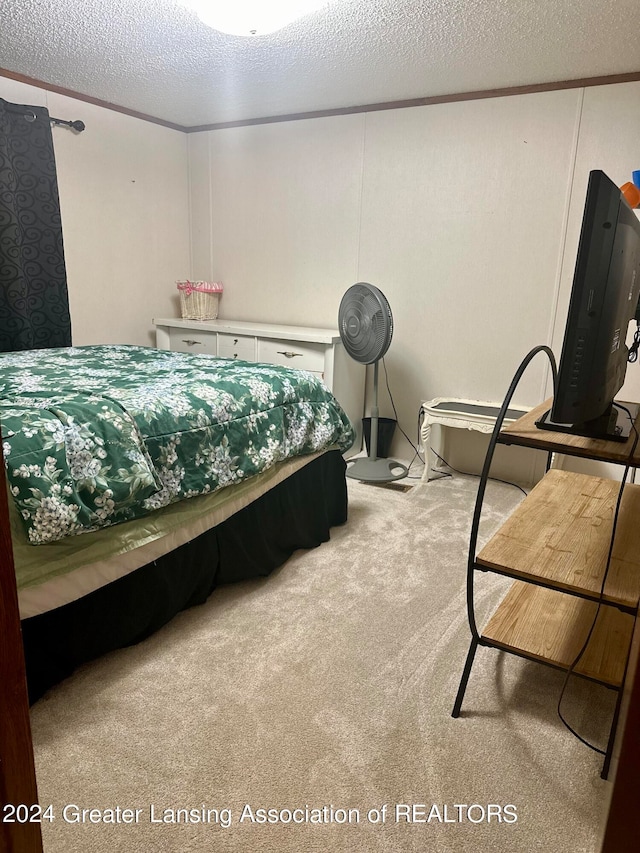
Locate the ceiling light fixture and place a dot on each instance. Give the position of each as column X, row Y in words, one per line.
column 251, row 17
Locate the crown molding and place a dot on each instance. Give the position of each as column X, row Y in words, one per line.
column 583, row 82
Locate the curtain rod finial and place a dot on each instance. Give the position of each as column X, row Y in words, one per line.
column 78, row 126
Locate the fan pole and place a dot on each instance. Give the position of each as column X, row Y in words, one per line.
column 375, row 414
column 372, row 469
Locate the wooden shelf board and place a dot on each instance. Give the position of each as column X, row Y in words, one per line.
column 559, row 536
column 548, row 626
column 525, row 432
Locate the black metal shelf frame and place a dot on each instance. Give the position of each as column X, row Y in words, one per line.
column 472, row 566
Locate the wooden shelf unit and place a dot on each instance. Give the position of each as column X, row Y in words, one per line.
column 550, row 627
column 559, row 537
column 525, row 433
column 555, row 546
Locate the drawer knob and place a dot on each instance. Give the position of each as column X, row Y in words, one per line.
column 288, row 353
column 190, row 343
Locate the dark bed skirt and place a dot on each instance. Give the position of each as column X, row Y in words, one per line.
column 297, row 513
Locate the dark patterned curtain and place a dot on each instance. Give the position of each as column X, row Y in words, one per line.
column 34, row 306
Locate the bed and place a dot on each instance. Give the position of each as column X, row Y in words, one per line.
column 141, row 479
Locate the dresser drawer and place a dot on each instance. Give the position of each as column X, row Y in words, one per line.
column 303, row 356
column 190, row 340
column 237, row 346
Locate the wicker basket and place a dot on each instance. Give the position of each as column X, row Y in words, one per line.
column 199, row 299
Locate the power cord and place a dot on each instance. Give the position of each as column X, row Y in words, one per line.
column 416, row 454
column 633, row 349
column 578, row 657
column 416, row 448
column 471, row 474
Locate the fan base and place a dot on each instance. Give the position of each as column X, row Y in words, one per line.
column 376, row 470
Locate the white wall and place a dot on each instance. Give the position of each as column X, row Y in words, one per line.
column 456, row 211
column 276, row 212
column 123, row 186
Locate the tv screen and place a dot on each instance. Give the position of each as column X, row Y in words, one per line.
column 604, row 299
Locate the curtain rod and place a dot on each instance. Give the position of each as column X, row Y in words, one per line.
column 30, row 115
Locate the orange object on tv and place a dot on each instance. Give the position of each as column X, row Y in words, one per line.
column 632, row 194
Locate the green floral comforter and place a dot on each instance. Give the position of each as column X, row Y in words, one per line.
column 94, row 436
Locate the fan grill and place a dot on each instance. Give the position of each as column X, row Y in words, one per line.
column 365, row 323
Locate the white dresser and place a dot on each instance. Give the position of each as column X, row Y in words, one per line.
column 319, row 350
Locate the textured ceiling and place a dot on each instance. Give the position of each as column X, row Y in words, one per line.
column 156, row 57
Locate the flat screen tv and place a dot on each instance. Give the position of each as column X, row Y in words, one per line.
column 604, row 300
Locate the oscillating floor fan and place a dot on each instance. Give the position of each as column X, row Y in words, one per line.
column 365, row 323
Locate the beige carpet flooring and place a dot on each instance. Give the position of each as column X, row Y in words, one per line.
column 328, row 687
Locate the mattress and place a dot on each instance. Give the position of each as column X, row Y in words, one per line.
column 56, row 574
column 102, row 435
